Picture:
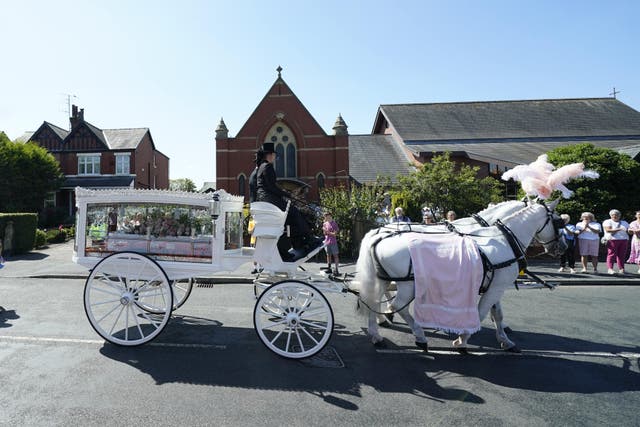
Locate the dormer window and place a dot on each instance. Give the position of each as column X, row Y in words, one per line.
column 122, row 163
column 89, row 164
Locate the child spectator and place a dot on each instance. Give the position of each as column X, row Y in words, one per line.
column 330, row 230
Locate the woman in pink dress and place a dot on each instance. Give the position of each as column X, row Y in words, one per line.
column 634, row 230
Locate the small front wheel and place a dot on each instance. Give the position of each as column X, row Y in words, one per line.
column 115, row 293
column 293, row 319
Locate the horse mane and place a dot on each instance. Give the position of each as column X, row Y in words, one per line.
column 366, row 274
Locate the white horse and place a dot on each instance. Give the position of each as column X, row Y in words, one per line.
column 522, row 221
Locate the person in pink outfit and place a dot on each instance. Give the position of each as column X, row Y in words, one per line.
column 616, row 230
column 330, row 230
column 634, row 231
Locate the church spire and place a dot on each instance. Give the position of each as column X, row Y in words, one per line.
column 340, row 127
column 222, row 131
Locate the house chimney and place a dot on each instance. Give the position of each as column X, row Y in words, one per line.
column 77, row 117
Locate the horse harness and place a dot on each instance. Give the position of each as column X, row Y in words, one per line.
column 488, row 267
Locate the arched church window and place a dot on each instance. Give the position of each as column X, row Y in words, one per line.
column 320, row 181
column 286, row 150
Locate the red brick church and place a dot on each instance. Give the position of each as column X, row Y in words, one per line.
column 307, row 156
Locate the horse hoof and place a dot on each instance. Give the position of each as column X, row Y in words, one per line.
column 462, row 350
column 514, row 349
column 508, row 330
column 422, row 345
column 389, row 317
column 380, row 344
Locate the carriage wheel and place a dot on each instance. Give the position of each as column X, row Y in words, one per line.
column 115, row 291
column 181, row 290
column 293, row 319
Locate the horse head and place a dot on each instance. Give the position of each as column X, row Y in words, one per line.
column 549, row 234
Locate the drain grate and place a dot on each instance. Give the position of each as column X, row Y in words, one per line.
column 327, row 358
column 205, row 285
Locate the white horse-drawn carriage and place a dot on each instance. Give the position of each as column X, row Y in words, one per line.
column 144, row 247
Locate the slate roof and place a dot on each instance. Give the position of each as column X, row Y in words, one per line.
column 62, row 133
column 547, row 118
column 514, row 153
column 108, row 181
column 373, row 155
column 118, row 139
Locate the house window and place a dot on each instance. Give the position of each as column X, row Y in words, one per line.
column 286, row 150
column 122, row 164
column 50, row 200
column 89, row 164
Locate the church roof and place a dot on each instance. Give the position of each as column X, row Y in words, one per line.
column 546, row 118
column 373, row 155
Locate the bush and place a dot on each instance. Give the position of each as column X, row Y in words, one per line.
column 40, row 239
column 56, row 236
column 24, row 226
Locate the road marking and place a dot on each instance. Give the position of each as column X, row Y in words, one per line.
column 543, row 353
column 99, row 342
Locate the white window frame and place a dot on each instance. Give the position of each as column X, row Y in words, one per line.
column 120, row 157
column 82, row 161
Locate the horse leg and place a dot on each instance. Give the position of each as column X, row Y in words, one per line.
column 490, row 301
column 501, row 334
column 498, row 307
column 460, row 343
column 374, row 334
column 401, row 302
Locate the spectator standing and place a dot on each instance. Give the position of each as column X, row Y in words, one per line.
column 616, row 229
column 400, row 216
column 569, row 233
column 427, row 218
column 634, row 231
column 330, row 229
column 588, row 231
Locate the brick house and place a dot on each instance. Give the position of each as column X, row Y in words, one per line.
column 308, row 157
column 101, row 158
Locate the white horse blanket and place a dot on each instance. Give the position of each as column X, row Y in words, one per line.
column 448, row 274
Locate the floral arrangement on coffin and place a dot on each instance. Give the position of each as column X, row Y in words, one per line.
column 174, row 221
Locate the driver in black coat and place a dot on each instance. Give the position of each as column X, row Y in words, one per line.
column 267, row 190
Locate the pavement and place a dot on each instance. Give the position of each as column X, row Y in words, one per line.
column 55, row 261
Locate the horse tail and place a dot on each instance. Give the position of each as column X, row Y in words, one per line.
column 370, row 286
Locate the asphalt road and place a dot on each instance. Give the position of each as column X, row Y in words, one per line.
column 579, row 365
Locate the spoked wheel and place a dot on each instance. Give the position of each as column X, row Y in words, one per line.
column 293, row 319
column 153, row 302
column 115, row 292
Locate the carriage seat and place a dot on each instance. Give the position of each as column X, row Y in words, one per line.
column 269, row 219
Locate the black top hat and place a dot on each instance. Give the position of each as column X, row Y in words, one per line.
column 268, row 147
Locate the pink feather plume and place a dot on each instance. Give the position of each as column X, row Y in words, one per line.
column 540, row 178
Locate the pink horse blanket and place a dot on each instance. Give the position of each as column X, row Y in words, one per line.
column 448, row 273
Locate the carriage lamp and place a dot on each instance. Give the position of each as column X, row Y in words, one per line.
column 214, row 210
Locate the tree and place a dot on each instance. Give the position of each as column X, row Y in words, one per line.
column 442, row 186
column 28, row 173
column 355, row 210
column 615, row 189
column 182, row 184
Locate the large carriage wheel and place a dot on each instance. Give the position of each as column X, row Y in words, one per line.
column 112, row 294
column 293, row 319
column 181, row 290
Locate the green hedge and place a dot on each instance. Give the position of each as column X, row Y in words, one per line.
column 24, row 231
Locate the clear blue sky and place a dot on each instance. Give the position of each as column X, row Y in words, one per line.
column 177, row 67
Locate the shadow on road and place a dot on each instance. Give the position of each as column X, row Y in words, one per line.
column 246, row 363
column 6, row 315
